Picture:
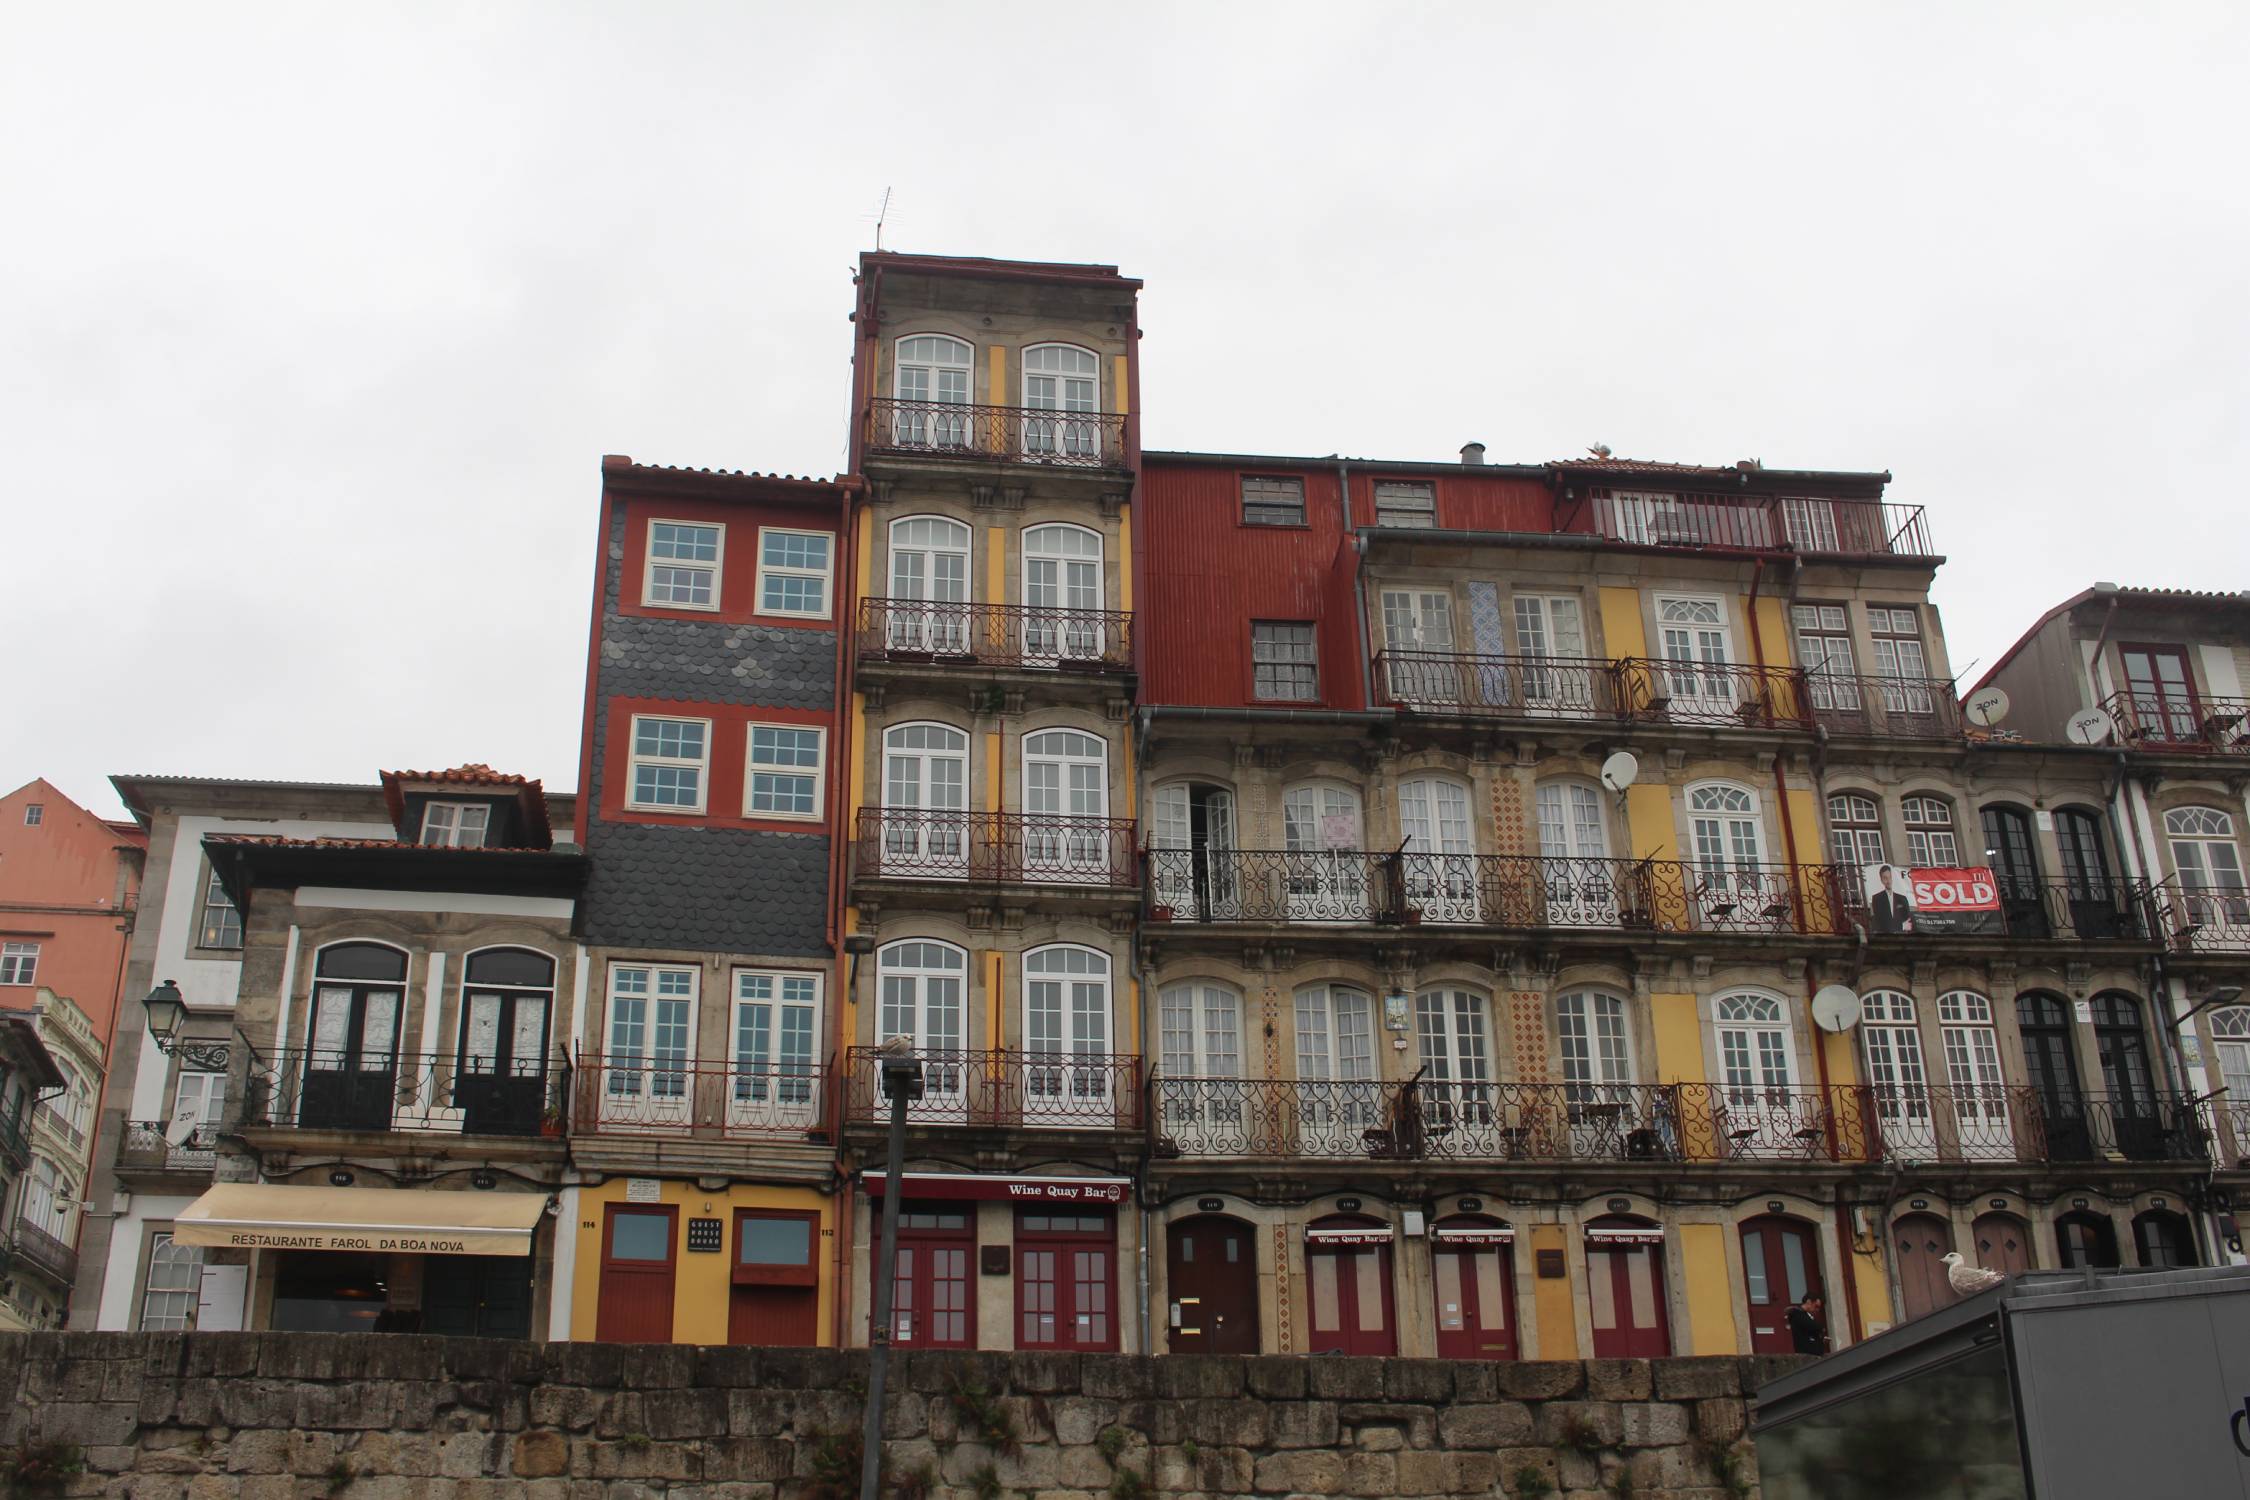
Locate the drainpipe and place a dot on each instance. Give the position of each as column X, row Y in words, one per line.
column 1359, row 583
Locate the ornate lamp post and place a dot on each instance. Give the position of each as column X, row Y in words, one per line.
column 167, row 1008
column 902, row 1084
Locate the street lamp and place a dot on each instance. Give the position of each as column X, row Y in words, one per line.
column 901, row 1074
column 166, row 1009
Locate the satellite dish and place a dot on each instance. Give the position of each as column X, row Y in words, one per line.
column 1835, row 1008
column 2088, row 726
column 1987, row 706
column 1619, row 771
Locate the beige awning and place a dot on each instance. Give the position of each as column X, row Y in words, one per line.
column 271, row 1216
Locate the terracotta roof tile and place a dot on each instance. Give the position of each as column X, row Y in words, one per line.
column 276, row 841
column 1644, row 466
column 475, row 773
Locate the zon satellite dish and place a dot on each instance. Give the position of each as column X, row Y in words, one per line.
column 1619, row 771
column 1987, row 707
column 2088, row 726
column 1835, row 1008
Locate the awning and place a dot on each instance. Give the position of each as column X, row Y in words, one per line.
column 272, row 1216
column 1355, row 1236
column 983, row 1186
column 1483, row 1235
column 1625, row 1236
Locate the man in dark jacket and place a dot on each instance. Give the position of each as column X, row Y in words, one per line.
column 1808, row 1329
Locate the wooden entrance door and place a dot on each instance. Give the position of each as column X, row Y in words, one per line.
column 2003, row 1243
column 1922, row 1242
column 1780, row 1268
column 1352, row 1310
column 933, row 1303
column 640, row 1243
column 1625, row 1285
column 1066, row 1280
column 1211, row 1269
column 1476, row 1295
column 775, row 1295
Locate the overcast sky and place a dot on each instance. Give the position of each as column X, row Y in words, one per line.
column 315, row 321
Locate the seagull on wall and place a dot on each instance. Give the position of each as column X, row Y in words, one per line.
column 1968, row 1280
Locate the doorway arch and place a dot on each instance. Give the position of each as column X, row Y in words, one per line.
column 1475, row 1264
column 1921, row 1242
column 1211, row 1284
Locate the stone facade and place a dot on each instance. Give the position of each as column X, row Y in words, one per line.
column 271, row 1417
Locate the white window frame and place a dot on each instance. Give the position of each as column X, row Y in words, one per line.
column 817, row 773
column 716, row 567
column 1287, row 489
column 452, row 837
column 213, row 889
column 1190, row 1010
column 1289, row 665
column 775, row 1081
column 1848, row 829
column 1932, row 837
column 634, row 760
column 19, row 963
column 644, row 1070
column 1602, row 1067
column 826, row 573
column 166, row 1253
column 967, row 365
column 34, row 814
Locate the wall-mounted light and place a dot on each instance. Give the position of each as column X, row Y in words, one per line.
column 167, row 1009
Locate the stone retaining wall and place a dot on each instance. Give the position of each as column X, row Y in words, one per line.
column 265, row 1416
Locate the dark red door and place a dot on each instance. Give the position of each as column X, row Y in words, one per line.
column 775, row 1296
column 933, row 1302
column 638, row 1259
column 1625, row 1288
column 2003, row 1243
column 1476, row 1293
column 1780, row 1268
column 1349, row 1266
column 1211, row 1270
column 1923, row 1241
column 1066, row 1280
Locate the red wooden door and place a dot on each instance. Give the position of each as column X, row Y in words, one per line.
column 2003, row 1243
column 1625, row 1287
column 775, row 1296
column 639, row 1255
column 933, row 1295
column 1066, row 1280
column 1780, row 1268
column 1922, row 1242
column 1476, row 1296
column 1211, row 1271
column 1352, row 1311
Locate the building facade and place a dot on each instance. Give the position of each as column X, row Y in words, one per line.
column 69, row 882
column 42, row 1263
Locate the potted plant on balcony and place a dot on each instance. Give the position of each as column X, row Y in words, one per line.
column 551, row 1122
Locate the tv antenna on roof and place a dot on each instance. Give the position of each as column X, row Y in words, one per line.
column 882, row 212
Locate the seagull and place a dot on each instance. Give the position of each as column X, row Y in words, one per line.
column 1968, row 1280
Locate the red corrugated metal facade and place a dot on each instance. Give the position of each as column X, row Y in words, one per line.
column 1467, row 499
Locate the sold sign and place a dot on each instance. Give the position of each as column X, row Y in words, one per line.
column 1955, row 890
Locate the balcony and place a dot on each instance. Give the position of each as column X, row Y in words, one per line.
column 624, row 1096
column 949, row 634
column 325, row 1090
column 14, row 1145
column 44, row 1251
column 2081, row 909
column 1555, row 687
column 932, row 844
column 1511, row 891
column 1051, row 1090
column 1907, row 708
column 1564, row 1123
column 1814, row 526
column 998, row 434
column 145, row 1149
column 2203, row 919
column 1718, row 695
column 2181, row 723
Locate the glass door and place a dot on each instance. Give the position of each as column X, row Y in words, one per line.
column 1439, row 860
column 1454, row 1034
column 1062, row 595
column 2052, row 1070
column 925, row 801
column 922, row 986
column 1418, row 629
column 1066, row 1037
column 651, row 1016
column 1065, row 808
column 2122, row 1046
column 1059, row 381
column 1697, row 649
column 1893, row 1048
column 351, row 1069
column 1337, row 1095
column 2015, row 869
column 2162, row 695
column 1762, row 1116
column 1326, row 866
column 1578, row 880
column 929, row 603
column 1551, row 640
column 776, row 1017
column 1191, row 852
column 1780, row 1268
column 932, row 369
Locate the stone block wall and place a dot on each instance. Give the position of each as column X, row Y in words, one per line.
column 264, row 1416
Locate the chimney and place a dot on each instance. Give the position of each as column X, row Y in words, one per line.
column 1472, row 453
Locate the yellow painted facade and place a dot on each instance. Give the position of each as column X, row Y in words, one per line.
column 1622, row 631
column 702, row 1280
column 1679, row 1039
column 1649, row 824
column 1709, row 1296
column 1551, row 1296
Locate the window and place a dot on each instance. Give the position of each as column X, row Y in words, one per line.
column 1754, row 1058
column 1809, row 524
column 34, row 813
column 1201, row 1031
column 1062, row 592
column 221, row 926
column 1855, row 829
column 1693, row 633
column 19, row 963
column 1066, row 1031
column 932, row 370
column 683, row 565
column 2203, row 851
column 1335, row 1033
column 775, row 1248
column 793, row 572
column 775, row 1016
column 1929, row 833
column 929, row 602
column 68, row 1108
column 1400, row 503
column 1898, row 653
column 669, row 759
column 1728, row 834
column 923, row 995
column 455, row 825
column 202, row 1101
column 1595, row 1047
column 1272, row 502
column 175, row 1278
column 1061, row 378
column 1824, row 646
column 651, row 1017
column 1284, row 665
column 785, row 771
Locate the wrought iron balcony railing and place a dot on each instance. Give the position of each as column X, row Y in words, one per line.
column 2203, row 919
column 1036, row 1089
column 2180, row 721
column 921, row 843
column 1718, row 694
column 1010, row 434
column 1551, row 687
column 146, row 1149
column 2230, row 1133
column 658, row 1095
column 14, row 1144
column 1907, row 708
column 1849, row 528
column 367, row 1090
column 2082, row 908
column 964, row 633
column 45, row 1250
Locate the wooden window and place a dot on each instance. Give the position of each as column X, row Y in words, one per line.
column 1855, row 829
column 669, row 764
column 19, row 963
column 1284, row 661
column 785, row 765
column 1824, row 646
column 651, row 1018
column 1929, row 833
column 172, row 1287
column 221, row 926
column 793, row 571
column 455, row 825
column 1272, row 502
column 683, row 565
column 1404, row 503
column 774, row 1247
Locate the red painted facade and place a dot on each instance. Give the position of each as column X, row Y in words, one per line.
column 1468, row 498
column 66, row 884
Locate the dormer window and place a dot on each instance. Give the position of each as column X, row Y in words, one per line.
column 455, row 825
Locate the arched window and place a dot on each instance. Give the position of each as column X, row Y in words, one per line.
column 1066, row 1009
column 2121, row 1041
column 1191, row 852
column 507, row 994
column 1326, row 869
column 2163, row 1240
column 925, row 800
column 932, row 369
column 2086, row 1239
column 2230, row 1035
column 2051, row 1066
column 1729, row 839
column 1439, row 851
column 1692, row 636
column 1065, row 807
column 43, row 1192
column 1930, row 841
column 1061, row 378
column 1892, row 1046
column 923, row 997
column 928, row 609
column 1855, row 829
column 2009, row 845
column 351, row 1061
column 1972, row 1074
column 1755, row 1062
column 2210, row 871
column 1062, row 594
